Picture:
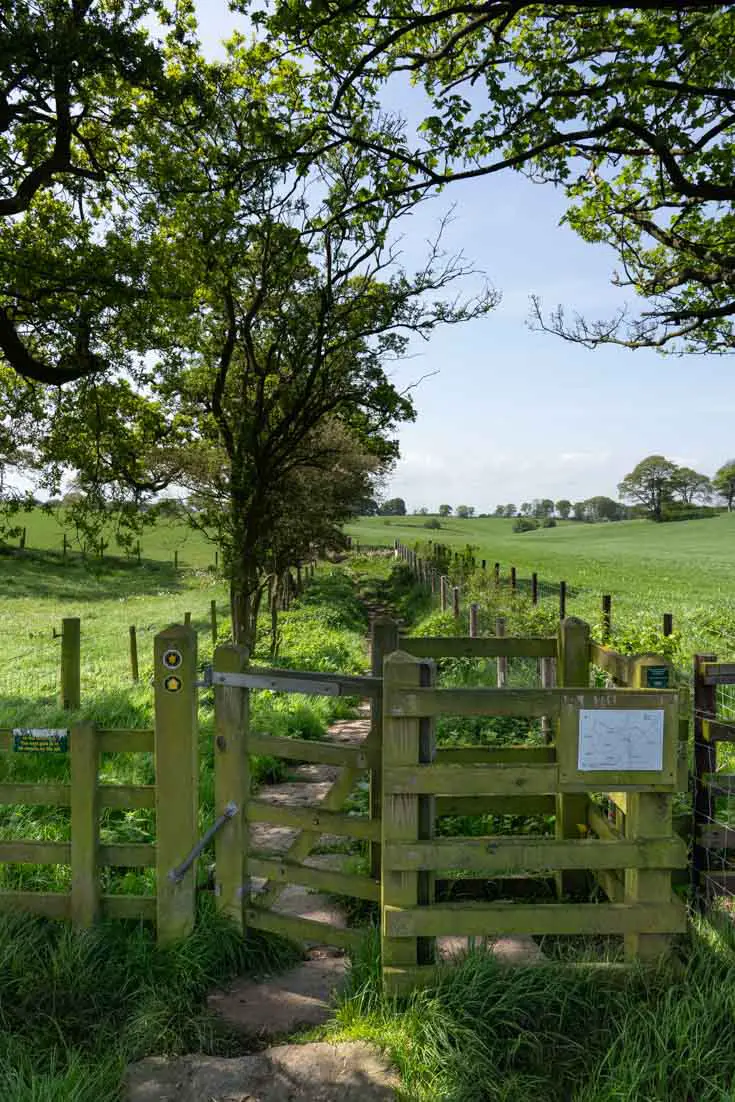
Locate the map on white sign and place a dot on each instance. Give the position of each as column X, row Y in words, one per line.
column 621, row 739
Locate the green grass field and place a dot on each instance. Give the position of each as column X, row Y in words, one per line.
column 686, row 568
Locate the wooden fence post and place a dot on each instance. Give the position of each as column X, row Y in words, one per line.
column 474, row 613
column 23, row 540
column 213, row 620
column 513, row 581
column 606, row 617
column 70, row 663
column 85, row 886
column 501, row 663
column 562, row 600
column 405, row 817
column 231, row 783
column 133, row 653
column 177, row 774
column 496, row 574
column 455, row 602
column 647, row 815
column 573, row 672
column 443, row 598
column 383, row 641
column 668, row 624
column 705, row 761
column 187, row 618
column 534, row 588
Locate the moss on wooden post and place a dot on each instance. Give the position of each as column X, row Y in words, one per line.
column 231, row 783
column 213, row 620
column 70, row 663
column 402, row 817
column 177, row 773
column 383, row 641
column 84, row 825
column 573, row 671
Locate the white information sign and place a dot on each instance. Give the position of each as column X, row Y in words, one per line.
column 621, row 739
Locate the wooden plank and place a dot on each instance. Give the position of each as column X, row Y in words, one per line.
column 177, row 778
column 496, row 805
column 383, row 641
column 402, row 981
column 498, row 919
column 720, row 784
column 125, row 740
column 528, row 854
column 303, row 929
column 716, row 837
column 648, row 817
column 469, row 755
column 48, row 904
column 617, row 665
column 33, row 852
column 84, row 756
column 472, row 702
column 479, row 780
column 597, row 820
column 129, row 906
column 573, row 671
column 124, row 797
column 719, row 883
column 301, row 681
column 129, row 855
column 292, row 872
column 400, row 821
column 521, row 702
column 299, row 749
column 231, row 784
column 612, row 883
column 713, row 731
column 45, row 795
column 479, row 647
column 718, row 673
column 313, row 819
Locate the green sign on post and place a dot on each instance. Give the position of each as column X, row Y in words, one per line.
column 657, row 677
column 41, row 740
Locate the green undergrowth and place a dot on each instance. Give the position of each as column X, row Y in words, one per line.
column 323, row 630
column 76, row 1007
column 493, row 1033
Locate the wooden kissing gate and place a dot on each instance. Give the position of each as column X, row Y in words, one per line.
column 619, row 744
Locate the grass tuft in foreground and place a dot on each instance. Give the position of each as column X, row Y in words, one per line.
column 553, row 1033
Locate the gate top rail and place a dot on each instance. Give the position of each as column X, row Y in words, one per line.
column 297, row 681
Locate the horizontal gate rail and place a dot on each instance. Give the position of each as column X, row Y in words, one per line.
column 313, row 819
column 303, row 929
column 535, row 856
column 425, row 646
column 325, row 753
column 478, row 780
column 273, row 867
column 532, row 703
column 480, row 919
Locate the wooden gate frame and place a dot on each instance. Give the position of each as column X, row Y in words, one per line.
column 233, row 681
column 413, row 779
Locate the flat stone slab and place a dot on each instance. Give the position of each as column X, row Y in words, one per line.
column 520, row 949
column 301, row 997
column 347, row 1072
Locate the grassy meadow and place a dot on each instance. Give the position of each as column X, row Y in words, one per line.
column 686, row 568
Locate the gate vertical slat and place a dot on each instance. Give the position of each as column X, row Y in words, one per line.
column 231, row 783
column 383, row 641
column 85, row 888
column 401, row 819
column 177, row 778
column 573, row 671
column 648, row 815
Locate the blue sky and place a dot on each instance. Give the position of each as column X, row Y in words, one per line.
column 514, row 414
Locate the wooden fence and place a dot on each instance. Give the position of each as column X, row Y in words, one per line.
column 713, row 859
column 411, row 783
column 174, row 797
